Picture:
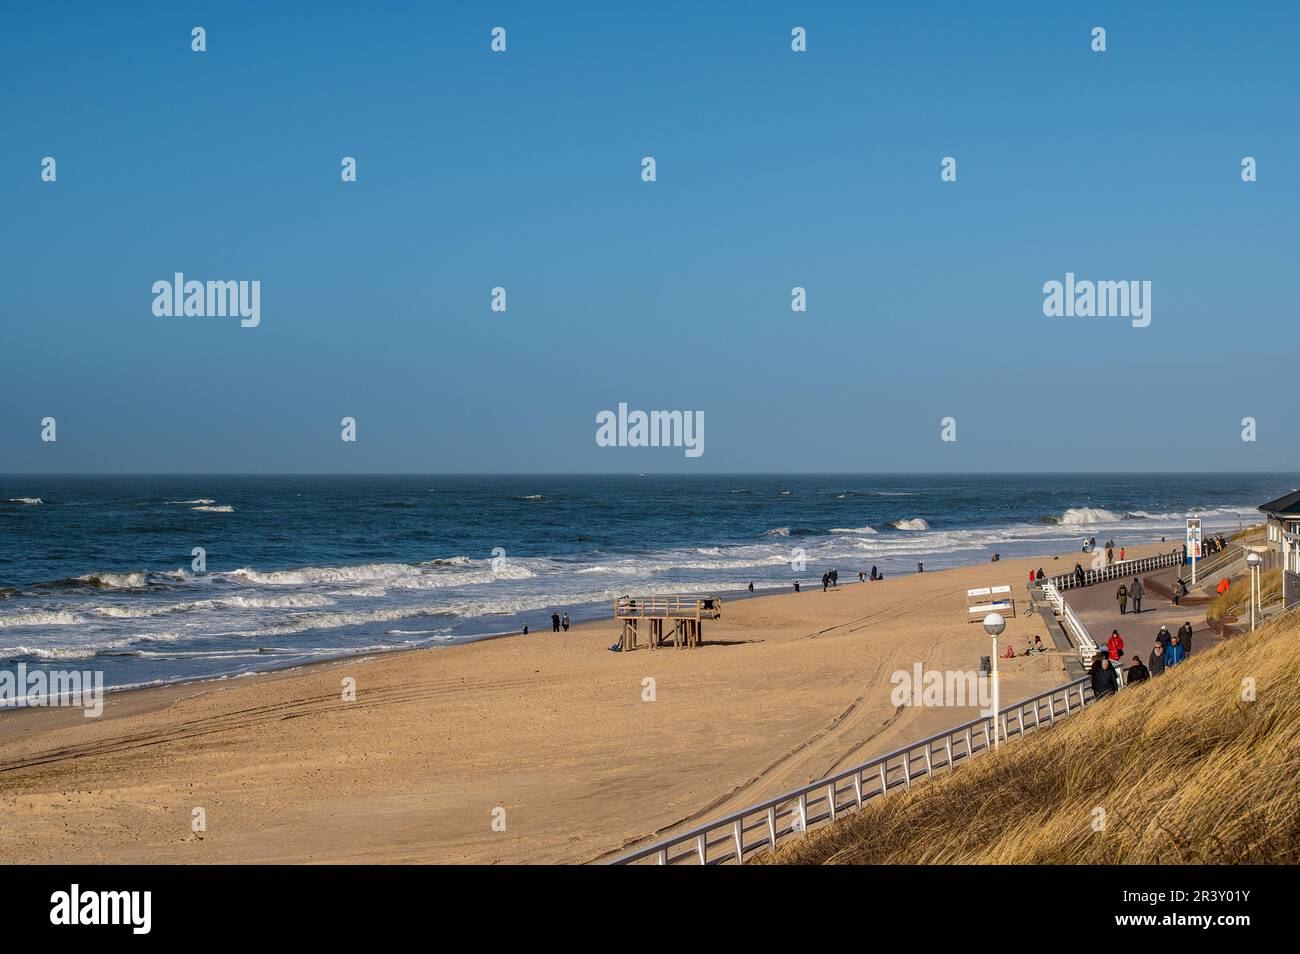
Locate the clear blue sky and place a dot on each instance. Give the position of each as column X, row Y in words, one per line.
column 775, row 169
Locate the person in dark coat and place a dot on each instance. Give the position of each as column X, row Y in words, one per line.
column 1136, row 672
column 1135, row 594
column 1078, row 575
column 1104, row 681
column 1185, row 637
column 1121, row 595
column 1156, row 662
column 1163, row 637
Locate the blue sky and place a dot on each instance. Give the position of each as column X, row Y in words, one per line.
column 522, row 170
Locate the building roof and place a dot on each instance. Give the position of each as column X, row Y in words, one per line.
column 1288, row 504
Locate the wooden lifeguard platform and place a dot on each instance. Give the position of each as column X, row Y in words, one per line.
column 686, row 613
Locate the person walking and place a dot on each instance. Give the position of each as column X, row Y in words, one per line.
column 1185, row 637
column 826, row 582
column 1110, row 554
column 1104, row 682
column 555, row 622
column 1163, row 637
column 1115, row 646
column 920, row 567
column 1078, row 575
column 1176, row 653
column 1121, row 596
column 1121, row 555
column 1156, row 661
column 564, row 622
column 1135, row 594
column 1136, row 672
column 796, row 586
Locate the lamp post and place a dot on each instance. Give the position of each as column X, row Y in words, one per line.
column 994, row 624
column 1253, row 561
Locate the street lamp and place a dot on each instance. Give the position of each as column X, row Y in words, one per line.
column 1253, row 561
column 994, row 624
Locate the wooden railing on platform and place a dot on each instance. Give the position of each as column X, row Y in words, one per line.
column 687, row 614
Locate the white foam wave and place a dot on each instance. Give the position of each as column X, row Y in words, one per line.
column 41, row 618
column 27, row 501
column 853, row 529
column 115, row 581
column 225, row 508
column 1082, row 516
column 778, row 532
column 200, row 500
column 915, row 523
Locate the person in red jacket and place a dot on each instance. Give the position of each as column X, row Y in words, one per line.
column 1115, row 646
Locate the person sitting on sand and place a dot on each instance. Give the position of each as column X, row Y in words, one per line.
column 1010, row 653
column 1121, row 595
column 1156, row 661
column 1136, row 672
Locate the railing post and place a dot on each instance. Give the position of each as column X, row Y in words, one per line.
column 1051, row 710
column 1066, row 696
column 662, row 856
column 803, row 813
column 907, row 770
column 948, row 745
column 830, row 797
column 929, row 765
column 1082, row 702
column 884, row 781
column 771, row 829
column 857, row 786
column 970, row 747
column 702, row 848
column 737, row 831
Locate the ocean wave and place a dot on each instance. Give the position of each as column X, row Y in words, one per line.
column 322, row 574
column 114, row 581
column 852, row 530
column 1080, row 516
column 26, row 501
column 224, row 508
column 41, row 618
column 916, row 523
column 530, row 497
column 200, row 500
column 111, row 647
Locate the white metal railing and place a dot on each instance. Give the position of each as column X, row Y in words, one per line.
column 1078, row 632
column 764, row 825
column 1114, row 571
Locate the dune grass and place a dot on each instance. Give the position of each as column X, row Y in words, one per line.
column 1179, row 770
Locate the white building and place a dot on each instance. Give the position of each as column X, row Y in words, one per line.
column 1283, row 525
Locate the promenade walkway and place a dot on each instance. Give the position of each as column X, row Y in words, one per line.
column 1098, row 609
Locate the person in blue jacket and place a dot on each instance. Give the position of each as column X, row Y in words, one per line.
column 1176, row 652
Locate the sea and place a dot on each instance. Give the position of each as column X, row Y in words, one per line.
column 155, row 579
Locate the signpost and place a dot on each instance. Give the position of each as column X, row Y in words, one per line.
column 1194, row 543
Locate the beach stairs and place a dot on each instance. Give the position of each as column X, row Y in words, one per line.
column 650, row 616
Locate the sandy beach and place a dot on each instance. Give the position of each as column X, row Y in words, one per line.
column 553, row 728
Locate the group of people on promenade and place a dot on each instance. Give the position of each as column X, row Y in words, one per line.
column 1170, row 650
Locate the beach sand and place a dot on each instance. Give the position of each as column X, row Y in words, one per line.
column 552, row 728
